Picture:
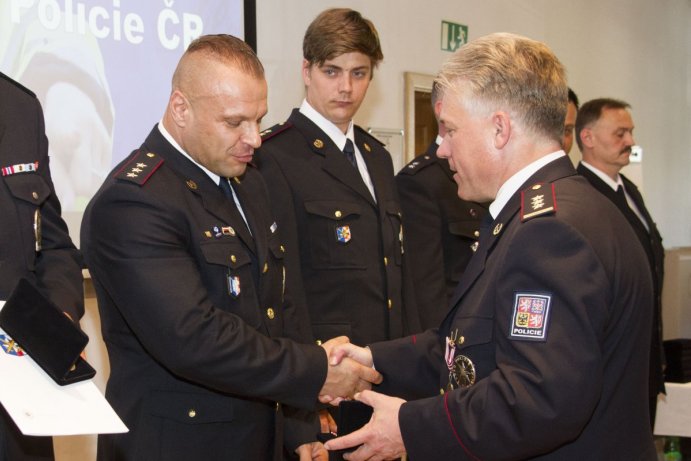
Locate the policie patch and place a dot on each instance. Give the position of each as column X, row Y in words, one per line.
column 530, row 316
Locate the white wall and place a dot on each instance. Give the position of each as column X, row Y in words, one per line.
column 635, row 50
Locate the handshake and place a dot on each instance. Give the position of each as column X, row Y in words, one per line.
column 350, row 371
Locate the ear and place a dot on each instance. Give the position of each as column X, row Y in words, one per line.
column 179, row 108
column 501, row 123
column 306, row 72
column 587, row 137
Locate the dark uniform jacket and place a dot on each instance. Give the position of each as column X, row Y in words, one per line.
column 350, row 248
column 651, row 240
column 193, row 312
column 26, row 198
column 551, row 327
column 441, row 232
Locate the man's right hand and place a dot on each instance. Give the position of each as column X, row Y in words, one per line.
column 346, row 376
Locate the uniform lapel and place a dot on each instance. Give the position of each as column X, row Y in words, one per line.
column 200, row 184
column 258, row 230
column 334, row 162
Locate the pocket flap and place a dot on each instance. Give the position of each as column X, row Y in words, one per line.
column 332, row 209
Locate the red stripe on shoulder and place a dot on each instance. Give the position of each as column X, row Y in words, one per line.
column 275, row 130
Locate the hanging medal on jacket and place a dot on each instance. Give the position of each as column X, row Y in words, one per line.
column 449, row 354
column 461, row 368
column 37, row 229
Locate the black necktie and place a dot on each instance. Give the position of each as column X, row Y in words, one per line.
column 225, row 187
column 349, row 151
column 621, row 197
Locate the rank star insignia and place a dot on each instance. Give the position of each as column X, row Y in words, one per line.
column 10, row 346
column 537, row 202
column 141, row 165
column 136, row 170
column 131, row 175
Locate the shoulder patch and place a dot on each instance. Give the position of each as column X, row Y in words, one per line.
column 537, row 200
column 275, row 130
column 417, row 164
column 530, row 316
column 140, row 167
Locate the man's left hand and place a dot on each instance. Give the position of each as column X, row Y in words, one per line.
column 380, row 439
column 314, row 451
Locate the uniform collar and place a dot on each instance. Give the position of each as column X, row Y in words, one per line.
column 331, row 130
column 511, row 186
column 604, row 177
column 214, row 177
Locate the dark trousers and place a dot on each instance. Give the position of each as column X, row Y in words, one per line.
column 15, row 446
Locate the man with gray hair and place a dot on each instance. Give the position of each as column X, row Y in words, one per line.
column 544, row 353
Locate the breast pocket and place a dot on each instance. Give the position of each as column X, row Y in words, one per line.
column 475, row 341
column 229, row 272
column 469, row 230
column 336, row 235
column 396, row 231
column 30, row 191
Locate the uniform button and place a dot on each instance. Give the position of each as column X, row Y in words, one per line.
column 319, row 342
column 461, row 340
column 266, row 267
column 386, row 261
column 390, row 304
column 34, row 195
column 233, row 258
column 283, row 250
column 338, row 213
column 278, row 406
column 441, row 391
column 270, row 313
column 192, row 413
column 476, row 233
column 473, row 212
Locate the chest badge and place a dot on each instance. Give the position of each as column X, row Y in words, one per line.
column 343, row 234
column 234, row 286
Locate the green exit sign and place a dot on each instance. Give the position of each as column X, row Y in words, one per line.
column 453, row 35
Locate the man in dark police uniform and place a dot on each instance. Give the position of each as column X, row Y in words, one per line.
column 34, row 239
column 544, row 354
column 605, row 138
column 333, row 192
column 441, row 229
column 188, row 269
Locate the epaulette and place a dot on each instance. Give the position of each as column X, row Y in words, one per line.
column 368, row 134
column 140, row 168
column 18, row 85
column 275, row 130
column 537, row 200
column 417, row 164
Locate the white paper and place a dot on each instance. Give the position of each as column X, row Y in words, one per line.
column 673, row 415
column 39, row 406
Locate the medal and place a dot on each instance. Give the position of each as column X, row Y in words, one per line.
column 463, row 373
column 461, row 368
column 37, row 230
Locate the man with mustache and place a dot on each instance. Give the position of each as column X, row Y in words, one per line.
column 604, row 129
